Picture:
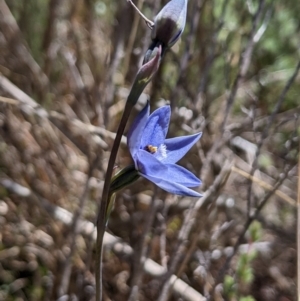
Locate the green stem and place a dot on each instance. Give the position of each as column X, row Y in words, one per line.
column 143, row 77
column 105, row 198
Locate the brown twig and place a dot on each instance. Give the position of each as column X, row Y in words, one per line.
column 244, row 62
column 265, row 185
column 141, row 251
column 248, row 222
column 149, row 23
column 131, row 40
column 267, row 129
column 74, row 230
column 13, row 35
column 188, row 223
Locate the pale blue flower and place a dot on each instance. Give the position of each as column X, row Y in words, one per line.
column 155, row 156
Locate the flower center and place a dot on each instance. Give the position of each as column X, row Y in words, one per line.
column 151, row 149
column 160, row 152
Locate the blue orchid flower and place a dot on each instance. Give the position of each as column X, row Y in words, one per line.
column 155, row 156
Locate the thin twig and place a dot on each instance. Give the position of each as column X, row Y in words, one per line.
column 66, row 271
column 248, row 222
column 132, row 36
column 265, row 185
column 18, row 94
column 149, row 23
column 10, row 101
column 12, row 33
column 267, row 129
column 189, row 221
column 140, row 253
column 244, row 63
column 188, row 52
column 212, row 49
column 49, row 34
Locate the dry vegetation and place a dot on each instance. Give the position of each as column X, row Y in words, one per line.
column 65, row 71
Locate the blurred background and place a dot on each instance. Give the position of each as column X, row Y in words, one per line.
column 66, row 68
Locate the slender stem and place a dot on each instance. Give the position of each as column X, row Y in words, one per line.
column 298, row 227
column 104, row 200
column 149, row 23
column 131, row 40
column 143, row 77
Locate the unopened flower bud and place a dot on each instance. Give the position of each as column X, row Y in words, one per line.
column 168, row 26
column 144, row 75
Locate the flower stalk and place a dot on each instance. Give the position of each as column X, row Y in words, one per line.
column 143, row 77
column 166, row 30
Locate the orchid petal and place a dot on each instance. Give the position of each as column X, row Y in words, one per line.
column 177, row 147
column 135, row 133
column 172, row 187
column 146, row 163
column 157, row 127
column 149, row 165
column 181, row 176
